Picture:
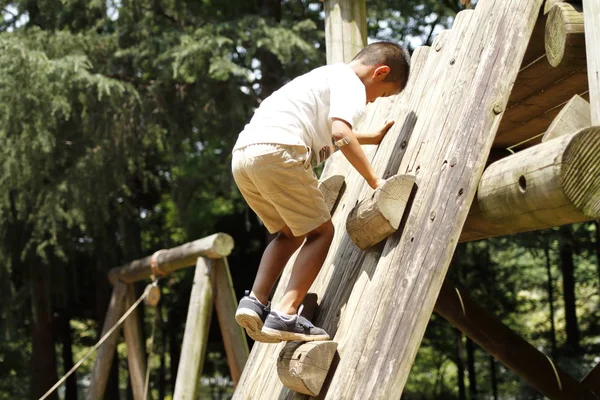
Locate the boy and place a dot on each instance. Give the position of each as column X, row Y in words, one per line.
column 293, row 130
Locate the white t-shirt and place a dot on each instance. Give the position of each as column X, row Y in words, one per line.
column 301, row 112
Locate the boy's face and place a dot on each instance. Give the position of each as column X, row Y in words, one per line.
column 376, row 86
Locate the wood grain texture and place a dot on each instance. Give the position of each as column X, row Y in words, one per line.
column 541, row 187
column 377, row 217
column 331, row 188
column 136, row 351
column 377, row 303
column 214, row 246
column 303, row 366
column 509, row 347
column 565, row 38
column 234, row 338
column 591, row 15
column 195, row 336
column 574, row 116
column 549, row 4
column 106, row 351
column 345, row 29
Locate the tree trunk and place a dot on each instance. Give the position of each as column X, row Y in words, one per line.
column 162, row 369
column 271, row 68
column 471, row 369
column 550, row 289
column 494, row 378
column 43, row 357
column 462, row 395
column 67, row 340
column 568, row 272
column 597, row 225
column 174, row 327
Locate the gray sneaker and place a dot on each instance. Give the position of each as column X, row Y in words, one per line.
column 251, row 315
column 296, row 328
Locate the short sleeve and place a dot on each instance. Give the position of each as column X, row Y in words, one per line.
column 347, row 97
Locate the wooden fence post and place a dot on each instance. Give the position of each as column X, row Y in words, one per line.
column 234, row 338
column 195, row 336
column 136, row 354
column 106, row 351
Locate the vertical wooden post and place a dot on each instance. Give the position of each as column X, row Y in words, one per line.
column 234, row 339
column 136, row 354
column 591, row 18
column 106, row 351
column 345, row 29
column 195, row 336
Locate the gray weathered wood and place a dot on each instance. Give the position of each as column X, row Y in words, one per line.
column 549, row 4
column 106, row 351
column 345, row 29
column 303, row 366
column 195, row 336
column 136, row 353
column 234, row 339
column 377, row 217
column 376, row 304
column 548, row 185
column 508, row 347
column 331, row 187
column 214, row 246
column 591, row 15
column 574, row 116
column 565, row 39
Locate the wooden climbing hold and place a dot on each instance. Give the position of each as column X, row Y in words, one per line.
column 303, row 366
column 331, row 188
column 377, row 217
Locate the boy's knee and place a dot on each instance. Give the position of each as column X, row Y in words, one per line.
column 324, row 230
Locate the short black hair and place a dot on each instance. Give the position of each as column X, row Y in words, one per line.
column 390, row 54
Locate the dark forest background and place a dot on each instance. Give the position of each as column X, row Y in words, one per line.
column 117, row 118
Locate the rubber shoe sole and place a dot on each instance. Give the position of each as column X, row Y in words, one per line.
column 285, row 336
column 251, row 322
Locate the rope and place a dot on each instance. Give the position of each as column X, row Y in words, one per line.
column 102, row 340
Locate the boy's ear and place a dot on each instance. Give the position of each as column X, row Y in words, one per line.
column 380, row 72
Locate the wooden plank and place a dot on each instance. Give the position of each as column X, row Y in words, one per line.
column 564, row 38
column 591, row 17
column 136, row 353
column 214, row 246
column 195, row 336
column 536, row 48
column 234, row 339
column 540, row 187
column 549, row 4
column 106, row 351
column 377, row 303
column 345, row 29
column 574, row 116
column 508, row 347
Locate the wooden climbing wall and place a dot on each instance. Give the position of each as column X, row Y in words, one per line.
column 376, row 303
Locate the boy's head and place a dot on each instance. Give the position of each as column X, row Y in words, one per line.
column 383, row 67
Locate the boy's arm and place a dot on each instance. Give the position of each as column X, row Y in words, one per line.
column 353, row 152
column 374, row 137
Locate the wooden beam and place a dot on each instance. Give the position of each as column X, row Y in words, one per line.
column 549, row 4
column 574, row 116
column 214, row 246
column 591, row 15
column 565, row 39
column 234, row 339
column 345, row 29
column 303, row 366
column 331, row 187
column 540, row 187
column 377, row 217
column 106, row 351
column 136, row 352
column 508, row 347
column 535, row 48
column 195, row 336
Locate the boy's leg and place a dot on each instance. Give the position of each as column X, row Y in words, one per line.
column 273, row 260
column 306, row 267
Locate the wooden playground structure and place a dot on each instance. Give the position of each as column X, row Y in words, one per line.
column 500, row 128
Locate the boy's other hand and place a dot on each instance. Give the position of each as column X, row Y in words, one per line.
column 376, row 183
column 383, row 131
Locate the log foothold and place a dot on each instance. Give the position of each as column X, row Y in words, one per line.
column 565, row 39
column 331, row 188
column 303, row 366
column 574, row 116
column 377, row 217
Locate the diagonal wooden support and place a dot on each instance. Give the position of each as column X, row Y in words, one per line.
column 508, row 347
column 591, row 16
column 377, row 303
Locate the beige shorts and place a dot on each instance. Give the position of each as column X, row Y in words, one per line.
column 280, row 186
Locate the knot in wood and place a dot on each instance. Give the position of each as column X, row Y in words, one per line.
column 452, row 61
column 403, row 144
column 498, row 109
column 432, row 215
